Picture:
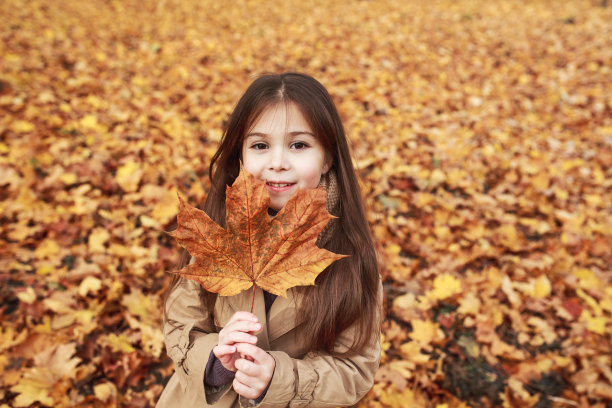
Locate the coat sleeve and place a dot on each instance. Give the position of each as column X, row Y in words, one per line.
column 321, row 380
column 190, row 336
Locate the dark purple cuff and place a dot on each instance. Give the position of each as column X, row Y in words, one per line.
column 263, row 394
column 215, row 375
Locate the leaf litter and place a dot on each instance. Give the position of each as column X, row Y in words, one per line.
column 482, row 134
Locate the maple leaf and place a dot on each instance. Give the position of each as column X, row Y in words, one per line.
column 274, row 254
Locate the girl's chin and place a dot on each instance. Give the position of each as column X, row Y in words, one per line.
column 278, row 199
column 277, row 205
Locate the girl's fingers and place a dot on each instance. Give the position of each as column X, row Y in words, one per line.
column 258, row 355
column 236, row 337
column 256, row 366
column 245, row 390
column 242, row 325
column 246, row 367
column 227, row 334
column 223, row 350
column 242, row 315
column 256, row 383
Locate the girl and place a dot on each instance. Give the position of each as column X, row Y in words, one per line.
column 321, row 345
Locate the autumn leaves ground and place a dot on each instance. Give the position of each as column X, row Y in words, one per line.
column 483, row 135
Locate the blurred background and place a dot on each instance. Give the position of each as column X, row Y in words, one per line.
column 482, row 135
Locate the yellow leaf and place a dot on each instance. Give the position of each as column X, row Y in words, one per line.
column 442, row 232
column 152, row 337
column 526, row 399
column 105, row 391
column 509, row 291
column 541, row 181
column 58, row 358
column 474, row 232
column 405, row 301
column 90, row 122
column 587, row 279
column 128, row 176
column 97, row 239
column 593, row 200
column 545, row 365
column 437, row 176
column 561, row 194
column 469, row 304
column 44, row 327
column 141, row 305
column 542, row 288
column 589, row 301
column 411, row 351
column 606, row 304
column 445, row 286
column 562, row 361
column 393, row 249
column 35, row 386
column 407, row 398
column 544, row 328
column 596, row 324
column 62, row 321
column 29, row 296
column 509, row 236
column 21, row 126
column 51, row 365
column 118, row 343
column 149, row 222
column 89, row 284
column 497, row 317
column 45, row 270
column 47, row 249
column 424, row 331
column 166, row 208
column 68, row 178
column 8, row 338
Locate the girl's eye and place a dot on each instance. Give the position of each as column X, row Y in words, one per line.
column 299, row 145
column 259, row 146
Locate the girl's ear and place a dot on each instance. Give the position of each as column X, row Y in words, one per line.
column 327, row 164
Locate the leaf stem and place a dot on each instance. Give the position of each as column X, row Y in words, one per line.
column 253, row 299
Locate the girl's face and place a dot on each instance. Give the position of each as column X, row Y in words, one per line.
column 282, row 149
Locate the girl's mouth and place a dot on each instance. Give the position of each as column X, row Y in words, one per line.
column 278, row 187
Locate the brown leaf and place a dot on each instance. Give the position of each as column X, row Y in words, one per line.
column 275, row 254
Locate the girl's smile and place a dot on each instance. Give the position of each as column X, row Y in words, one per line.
column 282, row 149
column 277, row 187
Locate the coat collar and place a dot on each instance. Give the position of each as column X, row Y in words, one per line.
column 280, row 320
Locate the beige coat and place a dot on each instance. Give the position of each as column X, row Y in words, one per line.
column 301, row 379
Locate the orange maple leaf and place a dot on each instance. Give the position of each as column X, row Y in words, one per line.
column 273, row 253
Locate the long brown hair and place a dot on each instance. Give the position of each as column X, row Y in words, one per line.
column 345, row 293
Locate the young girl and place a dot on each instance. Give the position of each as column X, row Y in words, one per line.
column 321, row 345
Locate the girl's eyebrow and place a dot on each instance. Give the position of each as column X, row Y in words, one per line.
column 292, row 133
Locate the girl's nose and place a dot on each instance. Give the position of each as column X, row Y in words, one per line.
column 278, row 159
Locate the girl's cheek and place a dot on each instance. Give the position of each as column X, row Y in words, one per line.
column 250, row 168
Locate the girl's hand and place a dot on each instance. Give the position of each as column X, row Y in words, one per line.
column 239, row 329
column 253, row 377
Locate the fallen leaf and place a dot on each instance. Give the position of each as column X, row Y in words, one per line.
column 90, row 284
column 97, row 239
column 445, row 286
column 105, row 391
column 52, row 365
column 28, row 296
